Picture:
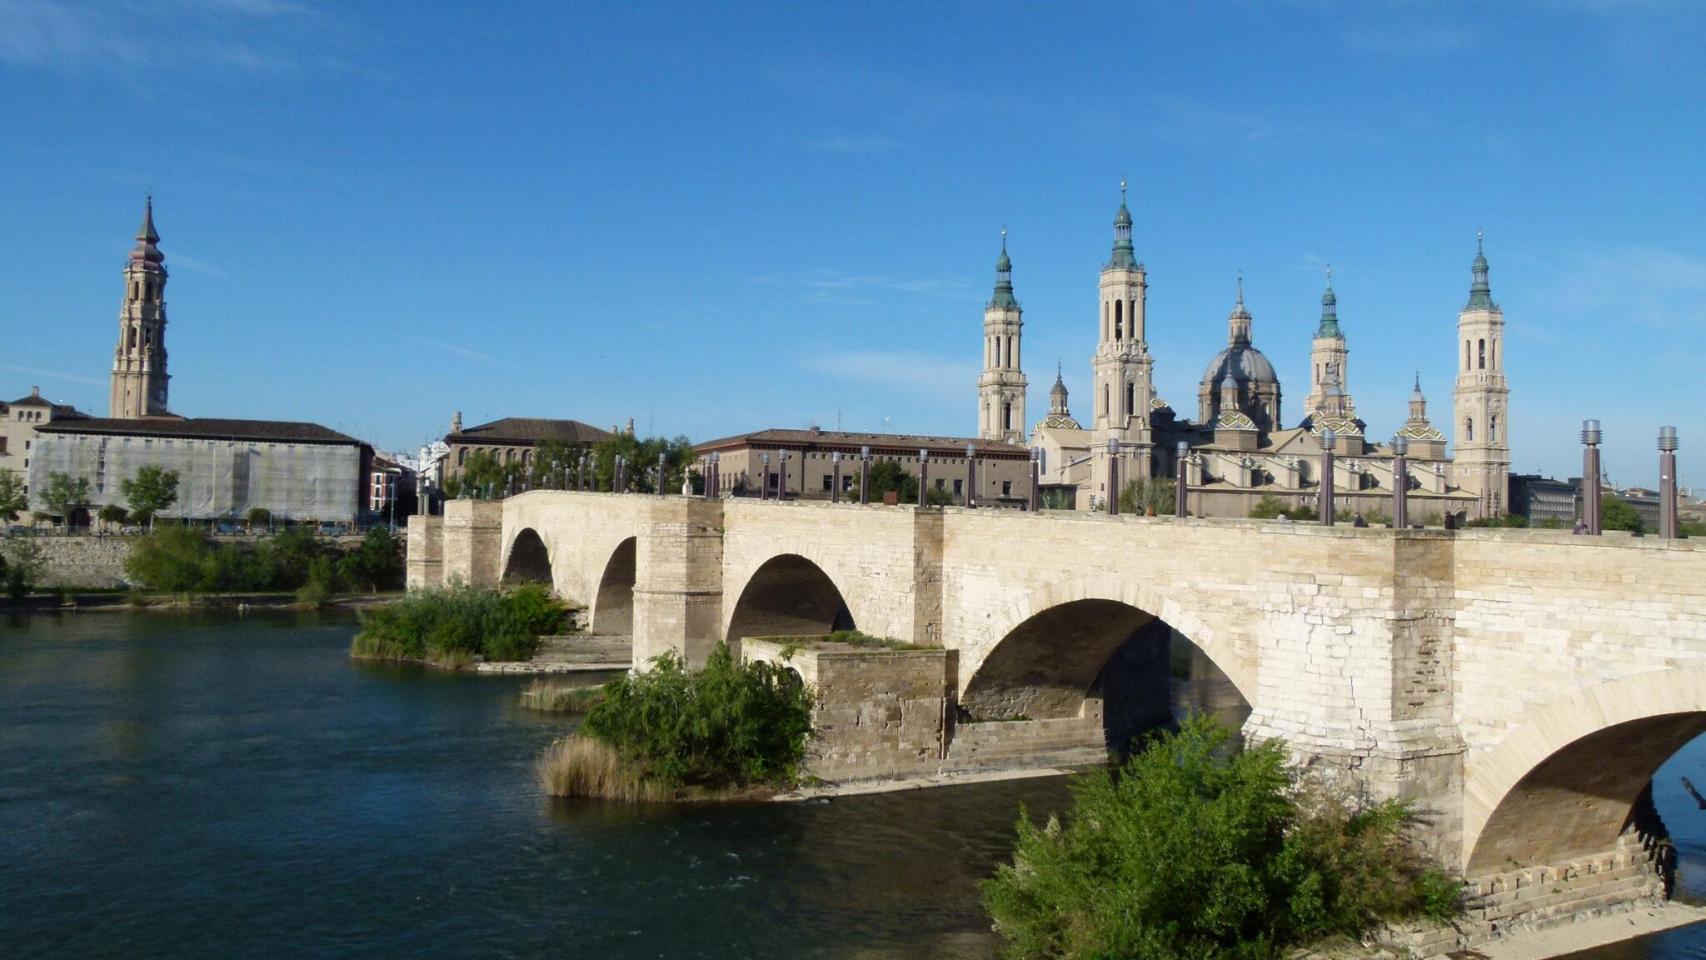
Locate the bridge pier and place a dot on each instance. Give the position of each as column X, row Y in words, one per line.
column 678, row 585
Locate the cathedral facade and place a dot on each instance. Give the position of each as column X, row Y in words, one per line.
column 1238, row 449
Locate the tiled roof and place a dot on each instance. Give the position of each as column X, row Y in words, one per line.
column 839, row 438
column 531, row 430
column 204, row 428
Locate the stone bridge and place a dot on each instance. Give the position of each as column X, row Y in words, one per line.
column 1521, row 686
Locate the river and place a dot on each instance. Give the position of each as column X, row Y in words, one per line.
column 207, row 785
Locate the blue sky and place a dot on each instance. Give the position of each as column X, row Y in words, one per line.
column 716, row 218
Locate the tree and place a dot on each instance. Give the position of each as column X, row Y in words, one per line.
column 1617, row 514
column 1692, row 528
column 113, row 514
column 1155, row 497
column 641, row 457
column 1270, row 507
column 14, row 499
column 151, row 491
column 377, row 562
column 21, row 562
column 484, row 475
column 65, row 495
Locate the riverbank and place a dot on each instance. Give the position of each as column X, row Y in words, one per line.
column 130, row 600
column 1597, row 931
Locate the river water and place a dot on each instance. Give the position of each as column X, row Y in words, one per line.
column 204, row 785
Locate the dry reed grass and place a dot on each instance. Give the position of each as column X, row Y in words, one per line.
column 555, row 696
column 578, row 766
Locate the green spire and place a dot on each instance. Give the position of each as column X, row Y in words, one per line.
column 1480, row 292
column 1123, row 258
column 1003, row 298
column 1329, row 328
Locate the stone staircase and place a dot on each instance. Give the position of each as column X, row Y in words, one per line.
column 572, row 653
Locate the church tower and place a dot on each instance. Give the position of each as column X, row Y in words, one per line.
column 1122, row 366
column 1327, row 354
column 139, row 362
column 1482, row 454
column 1001, row 389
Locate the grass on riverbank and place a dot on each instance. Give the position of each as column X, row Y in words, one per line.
column 459, row 625
column 555, row 696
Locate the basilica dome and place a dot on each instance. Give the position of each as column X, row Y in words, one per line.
column 1243, row 363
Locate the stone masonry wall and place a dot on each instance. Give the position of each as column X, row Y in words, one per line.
column 83, row 562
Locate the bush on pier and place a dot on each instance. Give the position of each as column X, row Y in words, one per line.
column 1193, row 851
column 454, row 626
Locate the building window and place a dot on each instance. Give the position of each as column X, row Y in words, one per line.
column 1006, row 488
column 1119, row 322
column 828, row 483
column 462, row 456
column 1466, row 364
column 1469, row 430
column 1007, row 416
column 1482, row 365
column 959, row 487
column 1105, row 410
column 941, row 484
column 1130, row 398
column 1493, row 429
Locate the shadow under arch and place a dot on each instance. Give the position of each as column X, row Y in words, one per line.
column 529, row 561
column 613, row 605
column 1576, row 775
column 1140, row 672
column 788, row 596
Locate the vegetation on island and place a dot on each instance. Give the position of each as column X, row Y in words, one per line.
column 1194, row 850
column 457, row 625
column 21, row 563
column 182, row 559
column 670, row 732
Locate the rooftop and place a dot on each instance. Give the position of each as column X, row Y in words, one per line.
column 839, row 438
column 202, row 428
column 531, row 430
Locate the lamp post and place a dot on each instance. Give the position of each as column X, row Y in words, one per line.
column 781, row 474
column 616, row 479
column 1036, row 479
column 764, row 479
column 1668, row 525
column 1113, row 476
column 717, row 475
column 663, row 472
column 971, row 476
column 1590, row 476
column 1180, row 492
column 923, row 473
column 864, row 475
column 1400, row 483
column 835, row 477
column 1328, row 439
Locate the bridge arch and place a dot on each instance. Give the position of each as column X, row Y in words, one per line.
column 613, row 603
column 1141, row 596
column 787, row 595
column 528, row 559
column 1568, row 781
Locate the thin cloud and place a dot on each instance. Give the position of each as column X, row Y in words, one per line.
column 250, row 36
column 876, row 143
column 915, row 372
column 826, row 285
column 54, row 375
column 44, row 32
column 193, row 265
column 1654, row 287
column 460, row 351
column 1408, row 41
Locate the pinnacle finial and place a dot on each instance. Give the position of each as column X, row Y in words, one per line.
column 1330, row 275
column 1122, row 190
column 1003, row 238
column 1418, row 380
column 1479, row 236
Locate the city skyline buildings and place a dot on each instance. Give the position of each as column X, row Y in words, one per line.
column 843, row 270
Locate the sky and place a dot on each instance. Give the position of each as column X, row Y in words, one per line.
column 716, row 218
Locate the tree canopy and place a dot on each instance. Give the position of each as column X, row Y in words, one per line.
column 65, row 495
column 13, row 499
column 150, row 492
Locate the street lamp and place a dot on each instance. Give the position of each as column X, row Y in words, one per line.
column 971, row 476
column 1668, row 525
column 923, row 473
column 864, row 475
column 1113, row 476
column 1328, row 439
column 1036, row 479
column 1590, row 475
column 663, row 471
column 835, row 477
column 1181, row 457
column 781, row 474
column 1400, row 483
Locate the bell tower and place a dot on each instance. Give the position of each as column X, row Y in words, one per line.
column 1001, row 388
column 1327, row 353
column 1122, row 366
column 139, row 361
column 1482, row 444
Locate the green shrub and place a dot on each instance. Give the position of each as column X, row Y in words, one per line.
column 21, row 563
column 172, row 559
column 1270, row 507
column 459, row 623
column 180, row 559
column 1193, row 851
column 731, row 724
